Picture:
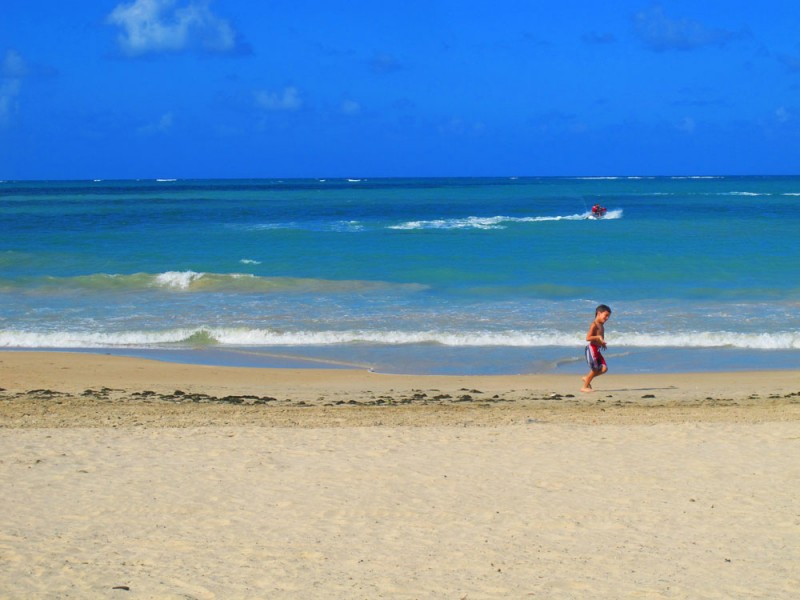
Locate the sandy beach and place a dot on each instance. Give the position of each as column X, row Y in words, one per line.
column 130, row 478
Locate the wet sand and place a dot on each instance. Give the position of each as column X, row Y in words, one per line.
column 83, row 390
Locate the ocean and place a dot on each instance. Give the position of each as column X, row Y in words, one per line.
column 450, row 276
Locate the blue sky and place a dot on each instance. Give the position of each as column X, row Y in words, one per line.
column 299, row 88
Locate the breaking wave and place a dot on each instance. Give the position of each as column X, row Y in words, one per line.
column 208, row 336
column 192, row 281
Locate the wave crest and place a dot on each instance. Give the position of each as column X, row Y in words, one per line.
column 192, row 281
column 205, row 336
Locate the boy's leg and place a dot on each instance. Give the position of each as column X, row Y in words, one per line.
column 587, row 381
column 597, row 366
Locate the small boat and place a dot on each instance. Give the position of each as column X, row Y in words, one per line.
column 598, row 212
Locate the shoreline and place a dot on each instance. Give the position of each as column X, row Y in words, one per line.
column 426, row 359
column 69, row 389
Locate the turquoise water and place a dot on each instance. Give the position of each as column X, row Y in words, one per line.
column 407, row 275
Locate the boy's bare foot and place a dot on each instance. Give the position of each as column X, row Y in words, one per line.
column 587, row 390
column 587, row 387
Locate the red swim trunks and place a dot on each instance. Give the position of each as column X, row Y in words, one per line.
column 594, row 358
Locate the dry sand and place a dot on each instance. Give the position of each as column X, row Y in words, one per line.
column 258, row 483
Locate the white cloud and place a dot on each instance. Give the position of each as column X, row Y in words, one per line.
column 662, row 33
column 351, row 108
column 9, row 90
column 155, row 26
column 459, row 127
column 687, row 125
column 783, row 115
column 791, row 62
column 163, row 125
column 383, row 63
column 14, row 66
column 289, row 99
column 12, row 69
column 594, row 37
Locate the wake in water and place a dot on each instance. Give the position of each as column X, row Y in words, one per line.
column 499, row 222
column 472, row 222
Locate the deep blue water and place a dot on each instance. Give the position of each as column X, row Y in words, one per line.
column 415, row 275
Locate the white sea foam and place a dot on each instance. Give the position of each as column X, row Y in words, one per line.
column 609, row 216
column 255, row 337
column 250, row 261
column 614, row 177
column 464, row 223
column 498, row 222
column 347, row 226
column 178, row 279
column 267, row 337
column 340, row 226
column 713, row 339
column 88, row 339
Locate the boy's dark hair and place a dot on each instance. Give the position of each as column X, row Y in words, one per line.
column 602, row 308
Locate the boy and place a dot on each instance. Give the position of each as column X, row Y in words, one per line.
column 596, row 339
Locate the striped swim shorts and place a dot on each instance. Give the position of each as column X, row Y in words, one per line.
column 594, row 358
